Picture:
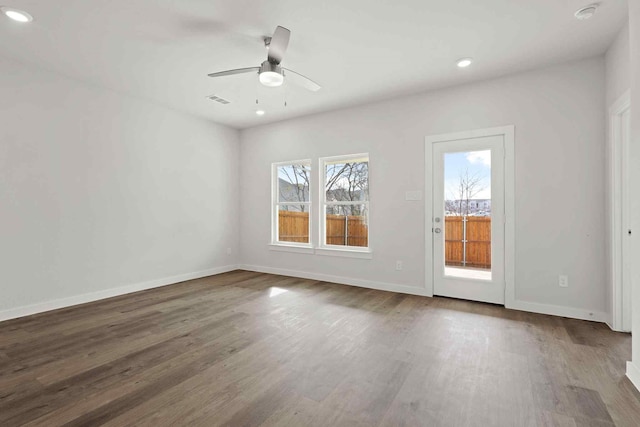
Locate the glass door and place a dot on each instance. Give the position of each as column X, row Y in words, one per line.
column 468, row 219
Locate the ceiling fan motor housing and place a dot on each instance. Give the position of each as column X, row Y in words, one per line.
column 270, row 66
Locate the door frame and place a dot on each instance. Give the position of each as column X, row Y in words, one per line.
column 508, row 133
column 618, row 150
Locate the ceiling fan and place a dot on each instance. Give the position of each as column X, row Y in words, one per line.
column 270, row 73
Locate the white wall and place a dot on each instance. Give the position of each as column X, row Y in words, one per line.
column 618, row 67
column 618, row 81
column 100, row 191
column 634, row 36
column 560, row 203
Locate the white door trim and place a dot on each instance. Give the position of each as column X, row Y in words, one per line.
column 618, row 214
column 508, row 132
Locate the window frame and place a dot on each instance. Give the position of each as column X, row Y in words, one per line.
column 341, row 250
column 275, row 209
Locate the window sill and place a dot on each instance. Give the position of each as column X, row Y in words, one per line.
column 290, row 248
column 347, row 253
column 325, row 251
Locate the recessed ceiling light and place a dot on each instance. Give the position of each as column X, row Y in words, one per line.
column 260, row 112
column 16, row 15
column 464, row 62
column 586, row 12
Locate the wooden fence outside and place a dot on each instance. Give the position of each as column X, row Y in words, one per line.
column 353, row 231
column 478, row 238
column 347, row 230
column 293, row 226
column 341, row 230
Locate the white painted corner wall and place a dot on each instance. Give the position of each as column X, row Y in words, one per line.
column 559, row 176
column 103, row 194
column 618, row 67
column 617, row 83
column 633, row 368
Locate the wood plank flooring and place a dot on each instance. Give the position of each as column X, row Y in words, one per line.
column 249, row 349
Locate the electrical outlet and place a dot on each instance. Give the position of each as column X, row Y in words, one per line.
column 563, row 281
column 228, row 251
column 398, row 265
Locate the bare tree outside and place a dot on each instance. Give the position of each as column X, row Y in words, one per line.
column 468, row 186
column 347, row 182
column 297, row 184
column 347, row 202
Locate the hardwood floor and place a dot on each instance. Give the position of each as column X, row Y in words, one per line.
column 245, row 348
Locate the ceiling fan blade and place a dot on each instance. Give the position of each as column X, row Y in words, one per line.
column 278, row 44
column 303, row 81
column 236, row 71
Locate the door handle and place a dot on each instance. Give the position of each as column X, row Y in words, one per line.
column 437, row 230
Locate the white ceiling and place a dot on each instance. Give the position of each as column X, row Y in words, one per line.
column 358, row 50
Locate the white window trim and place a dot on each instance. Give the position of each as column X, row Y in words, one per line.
column 275, row 244
column 283, row 247
column 364, row 253
column 337, row 250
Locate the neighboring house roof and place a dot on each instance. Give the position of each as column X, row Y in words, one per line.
column 290, row 193
column 342, row 194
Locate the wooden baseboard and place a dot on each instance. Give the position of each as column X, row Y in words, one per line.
column 633, row 373
column 381, row 286
column 554, row 310
column 558, row 310
column 56, row 304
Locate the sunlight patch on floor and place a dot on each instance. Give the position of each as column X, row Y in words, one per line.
column 274, row 292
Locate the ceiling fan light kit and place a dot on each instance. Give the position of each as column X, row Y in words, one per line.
column 270, row 74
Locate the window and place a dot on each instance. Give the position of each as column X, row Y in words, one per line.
column 291, row 223
column 345, row 202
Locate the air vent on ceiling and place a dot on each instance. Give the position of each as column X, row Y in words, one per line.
column 218, row 99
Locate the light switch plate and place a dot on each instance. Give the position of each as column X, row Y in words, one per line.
column 413, row 195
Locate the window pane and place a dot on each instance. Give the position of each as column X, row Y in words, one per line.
column 347, row 225
column 293, row 225
column 467, row 222
column 293, row 183
column 347, row 181
column 295, row 207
